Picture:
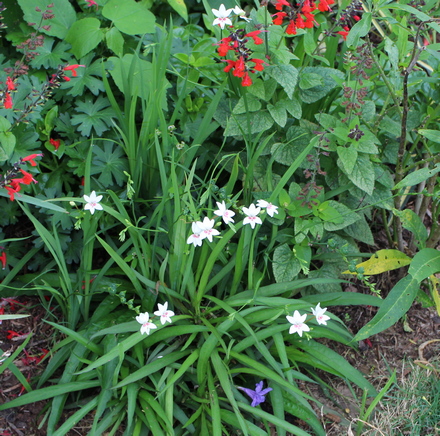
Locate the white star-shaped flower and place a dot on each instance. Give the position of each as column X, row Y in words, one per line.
column 318, row 311
column 252, row 217
column 208, row 230
column 298, row 325
column 196, row 237
column 92, row 202
column 241, row 13
column 144, row 319
column 163, row 312
column 226, row 214
column 270, row 208
column 222, row 15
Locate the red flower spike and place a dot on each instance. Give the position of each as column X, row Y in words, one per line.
column 224, row 46
column 31, row 158
column 55, row 142
column 8, row 101
column 247, row 81
column 27, row 179
column 343, row 33
column 300, row 22
column 10, row 84
column 253, row 35
column 3, row 260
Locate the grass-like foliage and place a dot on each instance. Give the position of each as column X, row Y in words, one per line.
column 189, row 184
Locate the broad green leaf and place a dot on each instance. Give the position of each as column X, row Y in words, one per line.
column 359, row 30
column 348, row 157
column 345, row 216
column 129, row 16
column 363, row 173
column 278, row 114
column 7, row 145
column 238, row 124
column 115, row 41
column 285, row 75
column 293, row 106
column 432, row 135
column 412, row 222
column 180, row 7
column 50, row 56
column 418, row 176
column 84, row 36
column 395, row 305
column 285, row 264
column 383, row 261
column 310, row 80
column 361, row 231
column 286, row 153
column 425, row 263
column 317, row 92
column 64, row 15
column 247, row 104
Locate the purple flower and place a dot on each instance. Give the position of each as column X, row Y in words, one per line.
column 258, row 396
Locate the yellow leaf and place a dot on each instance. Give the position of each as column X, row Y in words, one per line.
column 382, row 261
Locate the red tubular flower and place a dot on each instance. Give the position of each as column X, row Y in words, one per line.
column 8, row 101
column 231, row 64
column 10, row 84
column 55, row 142
column 324, row 5
column 300, row 22
column 280, row 3
column 247, row 81
column 253, row 35
column 356, row 17
column 258, row 64
column 239, row 67
column 27, row 179
column 31, row 158
column 73, row 69
column 224, row 46
column 279, row 18
column 12, row 192
column 3, row 260
column 343, row 33
column 291, row 28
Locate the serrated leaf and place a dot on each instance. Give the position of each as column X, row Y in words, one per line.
column 286, row 153
column 383, row 261
column 363, row 174
column 86, row 78
column 110, row 163
column 129, row 16
column 84, row 35
column 285, row 75
column 250, row 104
column 49, row 56
column 285, row 265
column 348, row 157
column 93, row 114
column 397, row 303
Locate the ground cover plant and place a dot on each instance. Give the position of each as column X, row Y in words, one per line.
column 192, row 184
